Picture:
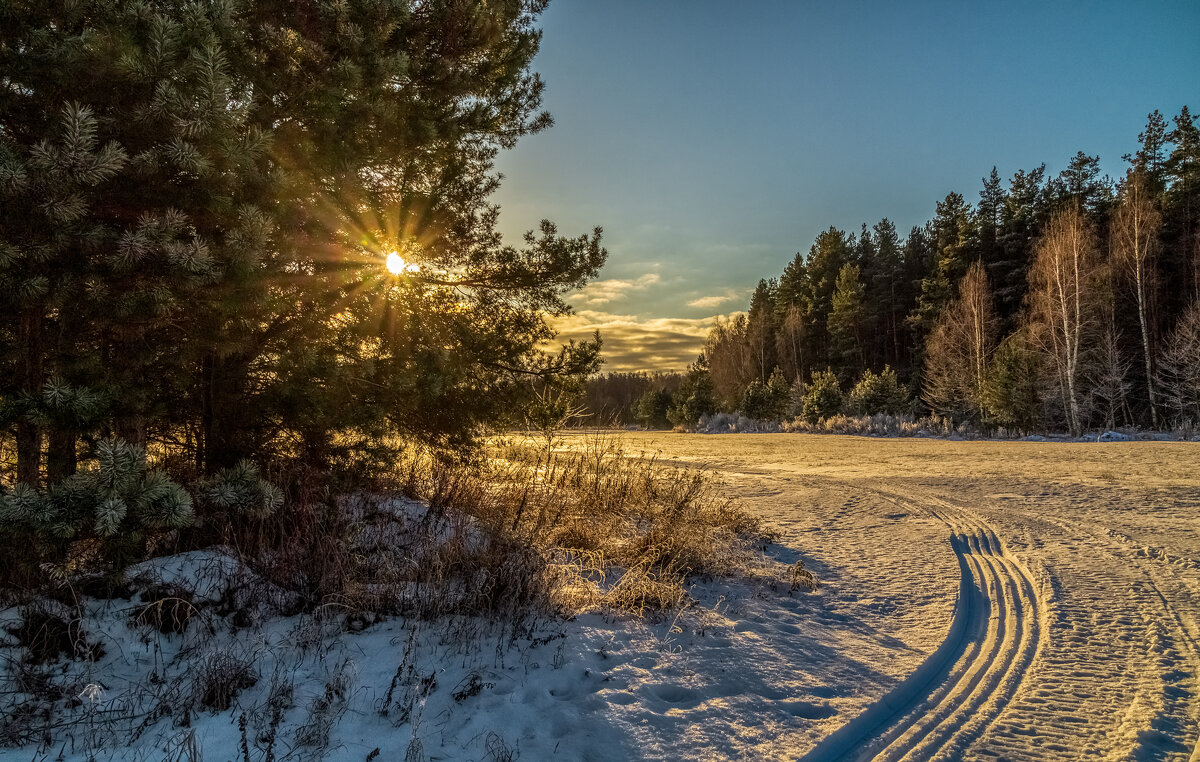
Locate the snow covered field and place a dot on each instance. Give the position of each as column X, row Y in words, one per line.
column 978, row 600
column 1079, row 570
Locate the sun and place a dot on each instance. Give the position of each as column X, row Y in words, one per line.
column 397, row 266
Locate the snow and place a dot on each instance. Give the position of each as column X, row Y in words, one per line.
column 978, row 600
column 1086, row 558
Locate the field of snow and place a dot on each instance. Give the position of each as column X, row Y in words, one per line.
column 1077, row 567
column 978, row 600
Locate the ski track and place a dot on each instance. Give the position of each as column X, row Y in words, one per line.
column 1094, row 659
column 1075, row 633
column 964, row 686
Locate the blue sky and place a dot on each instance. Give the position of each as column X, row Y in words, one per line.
column 714, row 140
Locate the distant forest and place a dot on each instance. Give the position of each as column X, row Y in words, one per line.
column 1051, row 303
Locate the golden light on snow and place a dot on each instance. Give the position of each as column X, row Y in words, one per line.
column 397, row 265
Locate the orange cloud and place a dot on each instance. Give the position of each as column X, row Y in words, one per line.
column 635, row 344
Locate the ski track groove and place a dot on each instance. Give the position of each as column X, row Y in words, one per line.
column 938, row 715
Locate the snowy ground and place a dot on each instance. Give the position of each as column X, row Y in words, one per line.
column 978, row 600
column 1078, row 566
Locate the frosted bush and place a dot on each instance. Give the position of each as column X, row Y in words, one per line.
column 734, row 423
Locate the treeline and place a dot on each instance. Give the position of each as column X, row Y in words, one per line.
column 612, row 399
column 1062, row 302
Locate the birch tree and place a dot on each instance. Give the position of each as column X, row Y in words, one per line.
column 1064, row 301
column 1135, row 244
column 960, row 349
column 789, row 341
column 1180, row 368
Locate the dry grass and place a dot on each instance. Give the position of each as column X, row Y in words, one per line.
column 611, row 530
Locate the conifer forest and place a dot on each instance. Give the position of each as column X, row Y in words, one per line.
column 1061, row 303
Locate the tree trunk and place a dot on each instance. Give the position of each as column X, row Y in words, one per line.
column 29, row 382
column 29, row 453
column 223, row 435
column 61, row 457
column 1146, row 353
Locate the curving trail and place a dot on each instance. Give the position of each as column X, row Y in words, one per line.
column 956, row 694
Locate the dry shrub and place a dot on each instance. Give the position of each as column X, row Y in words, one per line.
column 46, row 633
column 511, row 532
column 221, row 678
column 646, row 593
column 326, row 709
column 167, row 608
column 877, row 425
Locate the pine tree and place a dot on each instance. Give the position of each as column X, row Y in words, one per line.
column 118, row 500
column 1021, row 217
column 1150, row 161
column 196, row 207
column 792, row 286
column 829, row 253
column 122, row 144
column 1080, row 186
column 864, row 250
column 766, row 402
column 792, row 317
column 951, row 232
column 781, row 392
column 888, row 292
column 1013, row 392
column 847, row 320
column 878, row 393
column 987, row 221
column 651, row 408
column 695, row 396
column 761, row 328
column 757, row 402
column 823, row 397
column 1181, row 210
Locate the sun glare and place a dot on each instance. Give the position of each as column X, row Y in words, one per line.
column 397, row 266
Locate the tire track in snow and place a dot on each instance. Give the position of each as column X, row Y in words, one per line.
column 960, row 689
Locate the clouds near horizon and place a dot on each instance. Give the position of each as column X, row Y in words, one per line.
column 633, row 343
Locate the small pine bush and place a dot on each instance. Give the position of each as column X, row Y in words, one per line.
column 757, row 402
column 878, row 393
column 239, row 491
column 823, row 398
column 117, row 499
column 651, row 409
column 693, row 399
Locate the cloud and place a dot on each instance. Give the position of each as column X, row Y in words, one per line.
column 604, row 291
column 632, row 343
column 716, row 300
